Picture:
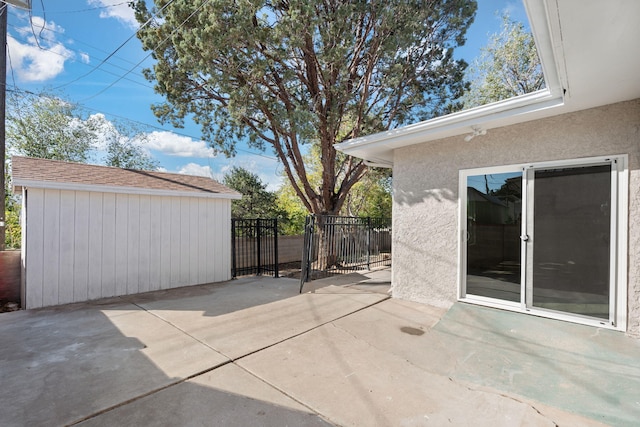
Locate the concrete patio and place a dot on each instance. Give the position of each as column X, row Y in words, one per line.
column 254, row 352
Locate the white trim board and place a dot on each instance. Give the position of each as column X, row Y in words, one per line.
column 27, row 183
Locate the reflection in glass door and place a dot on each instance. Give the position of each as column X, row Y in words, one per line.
column 494, row 218
column 570, row 248
column 546, row 238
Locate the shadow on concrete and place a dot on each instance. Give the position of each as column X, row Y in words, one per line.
column 66, row 366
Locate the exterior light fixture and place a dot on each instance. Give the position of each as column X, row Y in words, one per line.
column 477, row 131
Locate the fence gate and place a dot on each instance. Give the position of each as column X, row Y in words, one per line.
column 254, row 246
column 341, row 244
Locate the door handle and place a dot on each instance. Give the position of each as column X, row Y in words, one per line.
column 524, row 237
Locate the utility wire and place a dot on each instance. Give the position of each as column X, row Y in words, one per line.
column 71, row 57
column 152, row 50
column 87, row 108
column 65, row 12
column 115, row 51
column 78, row 42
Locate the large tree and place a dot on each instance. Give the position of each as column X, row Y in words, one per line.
column 256, row 201
column 508, row 66
column 48, row 127
column 290, row 73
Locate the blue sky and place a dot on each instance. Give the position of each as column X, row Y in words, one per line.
column 75, row 36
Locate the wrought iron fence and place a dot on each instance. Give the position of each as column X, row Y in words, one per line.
column 254, row 246
column 340, row 244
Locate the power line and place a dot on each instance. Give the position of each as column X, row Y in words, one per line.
column 115, row 51
column 152, row 50
column 85, row 107
column 72, row 58
column 76, row 51
column 52, row 30
column 90, row 9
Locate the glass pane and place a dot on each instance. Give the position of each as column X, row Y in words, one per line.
column 494, row 214
column 572, row 230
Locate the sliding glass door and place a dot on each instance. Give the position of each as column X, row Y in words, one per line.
column 570, row 246
column 541, row 238
column 494, row 218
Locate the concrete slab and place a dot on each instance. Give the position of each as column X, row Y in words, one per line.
column 589, row 371
column 354, row 384
column 227, row 396
column 378, row 281
column 59, row 365
column 342, row 355
column 219, row 298
column 397, row 327
column 237, row 334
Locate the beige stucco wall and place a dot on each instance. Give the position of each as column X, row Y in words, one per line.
column 425, row 179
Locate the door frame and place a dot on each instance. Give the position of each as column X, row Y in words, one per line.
column 619, row 231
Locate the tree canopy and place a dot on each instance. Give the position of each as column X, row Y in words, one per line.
column 508, row 66
column 369, row 197
column 256, row 201
column 48, row 127
column 287, row 74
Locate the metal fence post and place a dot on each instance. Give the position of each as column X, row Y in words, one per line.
column 259, row 246
column 368, row 243
column 275, row 248
column 233, row 248
column 307, row 250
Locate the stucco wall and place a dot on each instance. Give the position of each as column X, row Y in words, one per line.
column 425, row 179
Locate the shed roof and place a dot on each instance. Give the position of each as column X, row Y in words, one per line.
column 44, row 173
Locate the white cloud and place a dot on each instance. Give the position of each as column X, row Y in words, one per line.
column 176, row 145
column 37, row 61
column 196, row 169
column 118, row 10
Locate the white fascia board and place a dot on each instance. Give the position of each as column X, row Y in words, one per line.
column 544, row 19
column 493, row 115
column 27, row 183
column 545, row 24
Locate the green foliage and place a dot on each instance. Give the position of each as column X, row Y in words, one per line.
column 371, row 197
column 294, row 211
column 13, row 232
column 51, row 128
column 126, row 154
column 508, row 66
column 47, row 128
column 123, row 145
column 256, row 201
column 283, row 74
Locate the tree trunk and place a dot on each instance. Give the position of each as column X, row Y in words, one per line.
column 327, row 245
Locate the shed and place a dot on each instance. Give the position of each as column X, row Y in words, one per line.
column 531, row 204
column 92, row 231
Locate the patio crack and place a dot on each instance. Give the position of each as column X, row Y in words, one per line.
column 422, row 368
column 230, row 360
column 506, row 396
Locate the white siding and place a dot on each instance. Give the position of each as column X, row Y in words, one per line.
column 87, row 245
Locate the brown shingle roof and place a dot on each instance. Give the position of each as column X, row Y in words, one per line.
column 27, row 171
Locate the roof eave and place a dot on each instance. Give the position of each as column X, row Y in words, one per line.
column 19, row 184
column 377, row 148
column 545, row 24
